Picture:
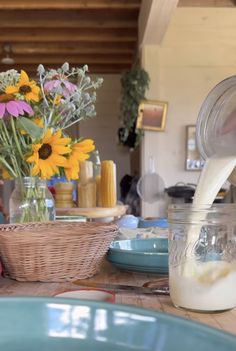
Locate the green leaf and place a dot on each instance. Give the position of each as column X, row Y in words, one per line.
column 34, row 131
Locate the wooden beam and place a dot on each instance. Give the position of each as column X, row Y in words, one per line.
column 80, row 59
column 68, row 19
column 95, row 68
column 154, row 19
column 49, row 48
column 39, row 23
column 68, row 35
column 69, row 4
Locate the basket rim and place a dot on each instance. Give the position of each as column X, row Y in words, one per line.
column 58, row 225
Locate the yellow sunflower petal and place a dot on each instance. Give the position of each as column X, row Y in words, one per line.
column 72, row 173
column 63, row 141
column 59, row 139
column 79, row 157
column 31, row 159
column 58, row 160
column 47, row 137
column 57, row 135
column 24, row 79
column 61, row 149
column 35, row 170
column 46, row 169
column 32, row 96
column 53, row 168
column 36, row 147
column 85, row 146
column 11, row 89
column 35, row 89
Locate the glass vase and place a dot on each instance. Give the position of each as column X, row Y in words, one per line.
column 31, row 201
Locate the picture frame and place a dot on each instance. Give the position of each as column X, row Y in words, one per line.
column 152, row 115
column 193, row 160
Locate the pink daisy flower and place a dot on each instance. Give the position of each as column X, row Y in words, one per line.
column 64, row 87
column 13, row 107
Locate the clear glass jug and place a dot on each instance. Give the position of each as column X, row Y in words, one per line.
column 216, row 124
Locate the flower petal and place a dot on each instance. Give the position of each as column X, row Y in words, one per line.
column 12, row 108
column 35, row 170
column 2, row 109
column 32, row 96
column 58, row 160
column 27, row 108
column 60, row 149
column 11, row 89
column 24, row 79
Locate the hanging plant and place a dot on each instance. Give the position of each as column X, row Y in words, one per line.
column 133, row 87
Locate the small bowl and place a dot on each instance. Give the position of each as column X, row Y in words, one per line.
column 89, row 294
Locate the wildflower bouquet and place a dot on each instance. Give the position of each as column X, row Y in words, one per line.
column 34, row 117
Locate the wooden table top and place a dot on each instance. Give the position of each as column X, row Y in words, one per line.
column 108, row 274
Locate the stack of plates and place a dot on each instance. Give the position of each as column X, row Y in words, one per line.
column 140, row 255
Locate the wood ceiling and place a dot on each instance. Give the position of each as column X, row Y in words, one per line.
column 100, row 33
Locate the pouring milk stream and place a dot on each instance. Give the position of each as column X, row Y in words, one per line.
column 209, row 285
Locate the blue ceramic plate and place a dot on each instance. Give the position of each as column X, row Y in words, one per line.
column 140, row 255
column 48, row 324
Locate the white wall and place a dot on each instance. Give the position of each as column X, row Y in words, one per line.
column 103, row 128
column 198, row 51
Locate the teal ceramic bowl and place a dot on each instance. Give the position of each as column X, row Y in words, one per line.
column 47, row 324
column 140, row 255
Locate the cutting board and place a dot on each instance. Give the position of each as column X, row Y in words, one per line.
column 96, row 212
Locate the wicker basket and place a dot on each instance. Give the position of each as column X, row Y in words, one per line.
column 54, row 251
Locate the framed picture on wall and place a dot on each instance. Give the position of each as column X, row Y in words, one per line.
column 152, row 115
column 193, row 161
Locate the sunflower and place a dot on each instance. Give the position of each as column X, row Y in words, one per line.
column 25, row 87
column 48, row 155
column 79, row 152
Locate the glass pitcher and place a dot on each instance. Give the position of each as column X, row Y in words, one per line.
column 216, row 124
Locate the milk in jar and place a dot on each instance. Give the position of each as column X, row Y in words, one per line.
column 202, row 245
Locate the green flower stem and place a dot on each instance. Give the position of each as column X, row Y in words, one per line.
column 6, row 134
column 16, row 138
column 71, row 124
column 36, row 209
column 8, row 167
column 6, row 140
column 42, row 90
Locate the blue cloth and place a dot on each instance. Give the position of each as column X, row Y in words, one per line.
column 154, row 222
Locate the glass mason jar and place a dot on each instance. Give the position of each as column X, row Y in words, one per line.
column 31, row 201
column 216, row 123
column 202, row 257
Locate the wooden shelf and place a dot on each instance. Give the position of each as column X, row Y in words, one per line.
column 96, row 212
